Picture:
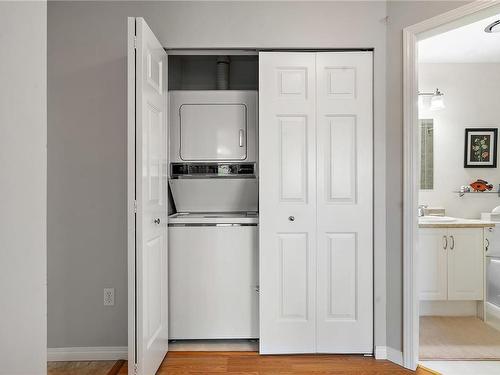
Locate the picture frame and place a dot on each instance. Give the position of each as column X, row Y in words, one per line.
column 480, row 149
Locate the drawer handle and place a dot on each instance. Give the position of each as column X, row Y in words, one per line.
column 157, row 221
column 487, row 244
column 291, row 218
column 452, row 243
column 445, row 242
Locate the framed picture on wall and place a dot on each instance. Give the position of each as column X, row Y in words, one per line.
column 480, row 148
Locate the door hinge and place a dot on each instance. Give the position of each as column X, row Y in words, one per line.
column 135, row 42
column 135, row 206
column 135, row 368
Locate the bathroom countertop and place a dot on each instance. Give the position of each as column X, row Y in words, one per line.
column 459, row 223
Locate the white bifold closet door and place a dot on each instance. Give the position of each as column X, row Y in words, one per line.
column 316, row 198
column 287, row 202
column 344, row 202
column 147, row 199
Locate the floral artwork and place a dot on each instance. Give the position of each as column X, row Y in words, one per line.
column 480, row 148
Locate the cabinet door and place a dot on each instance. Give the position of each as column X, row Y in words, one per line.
column 465, row 264
column 287, row 206
column 345, row 202
column 432, row 250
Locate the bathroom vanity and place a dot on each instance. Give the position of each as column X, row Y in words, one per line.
column 451, row 258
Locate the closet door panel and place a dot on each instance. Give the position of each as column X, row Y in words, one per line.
column 345, row 201
column 287, row 202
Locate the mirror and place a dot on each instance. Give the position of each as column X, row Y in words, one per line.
column 426, row 154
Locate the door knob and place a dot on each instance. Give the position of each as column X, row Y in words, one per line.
column 291, row 218
column 157, row 221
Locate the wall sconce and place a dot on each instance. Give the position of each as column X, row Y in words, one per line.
column 437, row 100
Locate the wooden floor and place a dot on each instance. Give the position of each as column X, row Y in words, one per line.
column 251, row 363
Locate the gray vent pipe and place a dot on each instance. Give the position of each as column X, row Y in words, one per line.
column 222, row 81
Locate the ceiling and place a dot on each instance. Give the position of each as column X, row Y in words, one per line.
column 466, row 44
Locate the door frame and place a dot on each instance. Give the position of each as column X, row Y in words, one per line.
column 411, row 36
column 378, row 179
column 131, row 209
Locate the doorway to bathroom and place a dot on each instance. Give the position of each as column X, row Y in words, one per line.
column 452, row 182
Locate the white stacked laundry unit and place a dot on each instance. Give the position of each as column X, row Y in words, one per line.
column 213, row 236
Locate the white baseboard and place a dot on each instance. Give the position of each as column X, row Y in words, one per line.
column 95, row 353
column 395, row 356
column 381, row 352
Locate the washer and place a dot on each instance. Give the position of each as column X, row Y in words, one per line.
column 213, row 275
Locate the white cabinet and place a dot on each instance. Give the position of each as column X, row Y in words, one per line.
column 315, row 202
column 432, row 264
column 450, row 264
column 465, row 264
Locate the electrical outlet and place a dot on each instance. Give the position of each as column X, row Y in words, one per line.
column 109, row 296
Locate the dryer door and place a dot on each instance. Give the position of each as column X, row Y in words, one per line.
column 213, row 131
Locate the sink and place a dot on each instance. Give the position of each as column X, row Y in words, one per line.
column 436, row 219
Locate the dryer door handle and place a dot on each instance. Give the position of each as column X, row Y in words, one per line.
column 242, row 134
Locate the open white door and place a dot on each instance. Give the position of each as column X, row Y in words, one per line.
column 147, row 199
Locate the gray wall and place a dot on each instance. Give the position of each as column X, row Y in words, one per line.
column 23, row 162
column 87, row 136
column 400, row 15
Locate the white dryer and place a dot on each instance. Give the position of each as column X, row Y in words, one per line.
column 213, row 126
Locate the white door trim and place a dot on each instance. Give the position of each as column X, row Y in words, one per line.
column 131, row 188
column 411, row 35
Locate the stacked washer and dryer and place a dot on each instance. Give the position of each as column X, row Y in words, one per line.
column 213, row 234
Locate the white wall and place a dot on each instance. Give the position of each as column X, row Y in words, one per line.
column 23, row 130
column 472, row 99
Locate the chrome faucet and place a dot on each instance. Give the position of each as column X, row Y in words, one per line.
column 420, row 210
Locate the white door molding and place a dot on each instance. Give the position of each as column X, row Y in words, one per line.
column 411, row 35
